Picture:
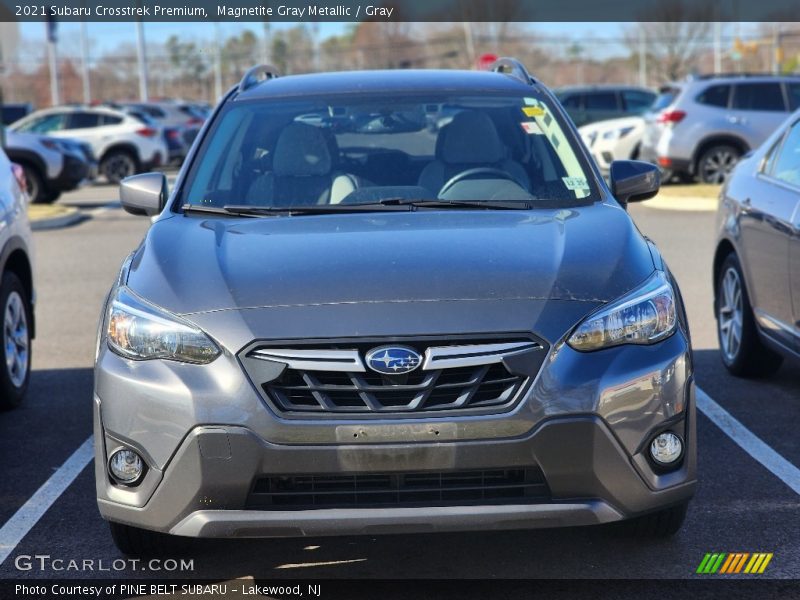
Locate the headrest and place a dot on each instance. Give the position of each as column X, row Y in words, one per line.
column 471, row 138
column 301, row 151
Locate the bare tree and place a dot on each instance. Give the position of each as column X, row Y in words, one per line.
column 674, row 34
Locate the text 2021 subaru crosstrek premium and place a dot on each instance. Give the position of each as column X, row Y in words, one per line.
column 391, row 301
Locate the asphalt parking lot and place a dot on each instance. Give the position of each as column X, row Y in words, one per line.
column 741, row 506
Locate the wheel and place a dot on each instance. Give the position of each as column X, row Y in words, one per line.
column 117, row 165
column 133, row 541
column 716, row 163
column 664, row 523
column 742, row 351
column 34, row 183
column 16, row 348
column 49, row 197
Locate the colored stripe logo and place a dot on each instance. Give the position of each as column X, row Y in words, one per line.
column 732, row 563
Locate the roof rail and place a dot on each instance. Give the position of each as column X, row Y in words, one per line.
column 706, row 76
column 252, row 76
column 513, row 68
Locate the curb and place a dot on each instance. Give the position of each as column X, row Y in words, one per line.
column 682, row 203
column 70, row 217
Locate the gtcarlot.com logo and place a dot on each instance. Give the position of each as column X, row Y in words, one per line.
column 733, row 563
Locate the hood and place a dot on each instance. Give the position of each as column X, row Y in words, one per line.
column 195, row 264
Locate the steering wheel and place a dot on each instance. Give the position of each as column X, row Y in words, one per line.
column 475, row 173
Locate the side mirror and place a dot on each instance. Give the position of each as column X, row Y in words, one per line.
column 145, row 194
column 634, row 181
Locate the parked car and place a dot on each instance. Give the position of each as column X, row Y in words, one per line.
column 350, row 319
column 588, row 104
column 16, row 287
column 700, row 128
column 123, row 143
column 14, row 112
column 757, row 261
column 51, row 165
column 174, row 138
column 614, row 139
column 182, row 117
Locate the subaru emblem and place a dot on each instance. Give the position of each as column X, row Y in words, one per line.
column 393, row 360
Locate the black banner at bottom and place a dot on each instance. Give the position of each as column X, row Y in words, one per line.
column 252, row 589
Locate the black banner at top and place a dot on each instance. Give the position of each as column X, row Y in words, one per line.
column 398, row 10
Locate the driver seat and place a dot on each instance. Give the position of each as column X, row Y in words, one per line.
column 469, row 141
column 302, row 172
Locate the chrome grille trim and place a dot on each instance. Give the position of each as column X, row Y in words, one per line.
column 342, row 361
column 453, row 357
column 436, row 357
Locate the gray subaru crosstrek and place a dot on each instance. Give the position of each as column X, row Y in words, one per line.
column 344, row 320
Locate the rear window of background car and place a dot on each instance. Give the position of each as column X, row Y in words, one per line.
column 82, row 120
column 715, row 95
column 637, row 101
column 758, row 96
column 793, row 91
column 601, row 101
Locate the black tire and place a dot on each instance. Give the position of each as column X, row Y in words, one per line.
column 133, row 541
column 751, row 358
column 661, row 524
column 716, row 162
column 14, row 379
column 35, row 183
column 50, row 197
column 117, row 165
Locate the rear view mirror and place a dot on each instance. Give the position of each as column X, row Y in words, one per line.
column 634, row 180
column 144, row 194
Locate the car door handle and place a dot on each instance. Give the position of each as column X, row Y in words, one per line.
column 737, row 120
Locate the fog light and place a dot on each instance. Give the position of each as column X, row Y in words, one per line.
column 666, row 448
column 126, row 466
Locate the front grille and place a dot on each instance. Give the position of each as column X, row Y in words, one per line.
column 426, row 390
column 446, row 488
column 336, row 379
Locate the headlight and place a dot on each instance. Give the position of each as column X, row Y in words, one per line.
column 141, row 331
column 644, row 316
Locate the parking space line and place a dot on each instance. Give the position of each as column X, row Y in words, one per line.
column 18, row 526
column 749, row 442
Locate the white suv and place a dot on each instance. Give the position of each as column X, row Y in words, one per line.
column 123, row 143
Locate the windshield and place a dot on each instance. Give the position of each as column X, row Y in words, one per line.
column 362, row 149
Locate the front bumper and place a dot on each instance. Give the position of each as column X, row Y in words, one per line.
column 593, row 458
column 74, row 172
column 204, row 490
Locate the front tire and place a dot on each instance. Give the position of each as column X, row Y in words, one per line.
column 15, row 352
column 133, row 541
column 117, row 165
column 35, row 184
column 716, row 163
column 742, row 351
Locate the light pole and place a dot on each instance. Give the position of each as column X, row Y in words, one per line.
column 52, row 57
column 141, row 56
column 87, row 90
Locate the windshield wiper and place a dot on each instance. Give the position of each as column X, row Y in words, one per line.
column 397, row 204
column 485, row 204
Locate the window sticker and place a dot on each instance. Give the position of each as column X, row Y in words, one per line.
column 533, row 111
column 575, row 183
column 531, row 128
column 531, row 101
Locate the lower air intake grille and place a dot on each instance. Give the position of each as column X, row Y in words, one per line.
column 447, row 488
